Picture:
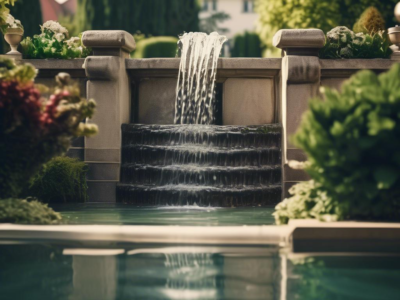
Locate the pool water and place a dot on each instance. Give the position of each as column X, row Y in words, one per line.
column 52, row 271
column 112, row 214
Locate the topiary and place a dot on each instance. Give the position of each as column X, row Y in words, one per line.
column 353, row 146
column 62, row 179
column 247, row 45
column 371, row 21
column 161, row 46
column 27, row 212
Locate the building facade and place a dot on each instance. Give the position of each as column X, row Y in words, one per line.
column 241, row 12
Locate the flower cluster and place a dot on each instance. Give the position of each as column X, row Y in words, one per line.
column 4, row 12
column 341, row 42
column 34, row 129
column 12, row 23
column 53, row 42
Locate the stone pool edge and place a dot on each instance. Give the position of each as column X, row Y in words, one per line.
column 300, row 236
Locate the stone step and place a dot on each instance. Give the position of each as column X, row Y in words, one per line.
column 200, row 175
column 184, row 154
column 206, row 135
column 143, row 195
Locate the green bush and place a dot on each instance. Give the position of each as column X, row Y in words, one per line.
column 62, row 179
column 162, row 46
column 341, row 42
column 353, row 146
column 27, row 212
column 322, row 14
column 308, row 201
column 247, row 45
column 371, row 21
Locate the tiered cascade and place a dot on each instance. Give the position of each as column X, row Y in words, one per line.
column 201, row 164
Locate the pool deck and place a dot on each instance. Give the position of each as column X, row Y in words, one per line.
column 300, row 236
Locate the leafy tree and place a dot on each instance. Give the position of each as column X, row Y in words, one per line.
column 322, row 14
column 150, row 17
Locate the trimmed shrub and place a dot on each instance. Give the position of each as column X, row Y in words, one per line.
column 341, row 42
column 247, row 45
column 162, row 46
column 371, row 21
column 62, row 179
column 353, row 146
column 20, row 211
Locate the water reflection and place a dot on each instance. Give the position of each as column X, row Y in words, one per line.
column 55, row 272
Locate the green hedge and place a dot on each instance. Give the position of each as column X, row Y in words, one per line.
column 62, row 180
column 247, row 45
column 162, row 46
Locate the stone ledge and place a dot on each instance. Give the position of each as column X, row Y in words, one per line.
column 315, row 236
column 299, row 38
column 62, row 64
column 223, row 63
column 109, row 39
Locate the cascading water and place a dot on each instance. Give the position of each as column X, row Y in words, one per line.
column 195, row 91
column 194, row 162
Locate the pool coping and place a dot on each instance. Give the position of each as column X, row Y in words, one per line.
column 299, row 236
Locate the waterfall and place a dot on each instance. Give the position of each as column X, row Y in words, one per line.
column 195, row 90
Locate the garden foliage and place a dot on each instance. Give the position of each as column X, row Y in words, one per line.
column 34, row 129
column 371, row 21
column 341, row 42
column 27, row 212
column 150, row 17
column 353, row 146
column 61, row 180
column 322, row 14
column 161, row 46
column 247, row 45
column 5, row 11
column 53, row 42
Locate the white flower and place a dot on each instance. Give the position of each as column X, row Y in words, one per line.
column 59, row 37
column 73, row 42
column 53, row 50
column 54, row 27
column 10, row 20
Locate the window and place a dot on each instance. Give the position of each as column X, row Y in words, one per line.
column 248, row 6
column 205, row 5
column 214, row 5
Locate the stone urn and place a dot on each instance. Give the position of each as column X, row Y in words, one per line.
column 13, row 37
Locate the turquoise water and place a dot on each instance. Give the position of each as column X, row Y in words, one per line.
column 140, row 272
column 185, row 216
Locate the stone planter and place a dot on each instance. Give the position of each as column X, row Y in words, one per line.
column 13, row 37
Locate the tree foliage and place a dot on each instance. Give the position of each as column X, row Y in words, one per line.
column 322, row 14
column 150, row 17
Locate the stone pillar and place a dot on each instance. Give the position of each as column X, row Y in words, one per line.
column 301, row 79
column 109, row 85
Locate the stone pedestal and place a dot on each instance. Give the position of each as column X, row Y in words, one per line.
column 301, row 79
column 109, row 86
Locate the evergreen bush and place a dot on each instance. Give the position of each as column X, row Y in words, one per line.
column 371, row 21
column 62, row 179
column 20, row 211
column 247, row 45
column 161, row 46
column 353, row 146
